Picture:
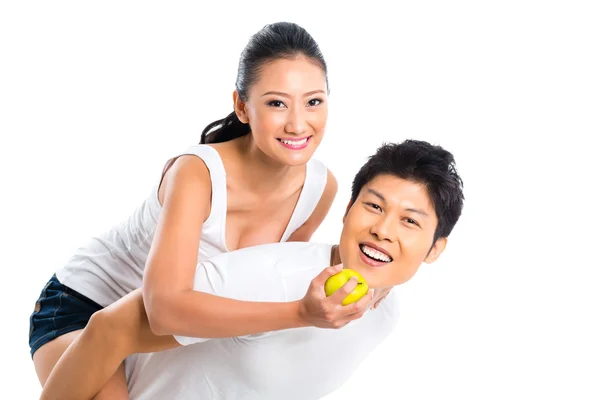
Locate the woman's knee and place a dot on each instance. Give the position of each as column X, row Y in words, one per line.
column 110, row 329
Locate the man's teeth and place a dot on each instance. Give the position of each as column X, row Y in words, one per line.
column 294, row 142
column 375, row 254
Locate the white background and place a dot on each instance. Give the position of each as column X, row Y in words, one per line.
column 95, row 96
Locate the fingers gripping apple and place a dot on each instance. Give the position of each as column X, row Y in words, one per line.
column 338, row 280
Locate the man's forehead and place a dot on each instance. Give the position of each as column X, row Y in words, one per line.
column 390, row 188
column 394, row 185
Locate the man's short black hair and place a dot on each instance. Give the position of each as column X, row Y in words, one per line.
column 423, row 163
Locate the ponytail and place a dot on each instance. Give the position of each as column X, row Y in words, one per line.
column 229, row 128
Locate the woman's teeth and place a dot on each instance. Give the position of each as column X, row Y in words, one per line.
column 294, row 142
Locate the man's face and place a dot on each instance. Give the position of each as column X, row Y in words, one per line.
column 388, row 231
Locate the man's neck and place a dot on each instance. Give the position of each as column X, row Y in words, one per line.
column 335, row 258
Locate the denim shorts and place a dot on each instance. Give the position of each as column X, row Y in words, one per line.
column 58, row 310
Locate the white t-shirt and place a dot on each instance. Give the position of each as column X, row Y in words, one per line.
column 303, row 363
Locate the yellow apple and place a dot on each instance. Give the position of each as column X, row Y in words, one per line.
column 338, row 280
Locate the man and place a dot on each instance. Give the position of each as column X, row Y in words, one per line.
column 405, row 202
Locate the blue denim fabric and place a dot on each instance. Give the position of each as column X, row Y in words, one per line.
column 58, row 310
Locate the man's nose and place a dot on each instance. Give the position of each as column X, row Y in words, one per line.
column 384, row 229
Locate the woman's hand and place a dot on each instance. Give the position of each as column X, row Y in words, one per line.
column 316, row 309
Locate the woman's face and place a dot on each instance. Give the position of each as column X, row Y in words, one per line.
column 287, row 109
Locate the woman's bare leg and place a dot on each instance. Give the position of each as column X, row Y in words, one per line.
column 46, row 357
column 113, row 334
column 115, row 388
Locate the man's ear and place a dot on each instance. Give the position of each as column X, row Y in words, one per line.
column 239, row 107
column 436, row 250
column 347, row 210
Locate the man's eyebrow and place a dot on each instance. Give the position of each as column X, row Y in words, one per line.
column 282, row 94
column 417, row 211
column 376, row 193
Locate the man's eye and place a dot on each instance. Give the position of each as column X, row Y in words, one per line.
column 373, row 205
column 412, row 221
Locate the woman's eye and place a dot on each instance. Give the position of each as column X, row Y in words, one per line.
column 276, row 103
column 315, row 102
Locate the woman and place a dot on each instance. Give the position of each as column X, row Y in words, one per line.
column 251, row 181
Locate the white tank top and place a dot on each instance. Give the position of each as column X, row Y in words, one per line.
column 112, row 265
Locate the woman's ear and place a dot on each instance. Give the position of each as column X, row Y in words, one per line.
column 239, row 107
